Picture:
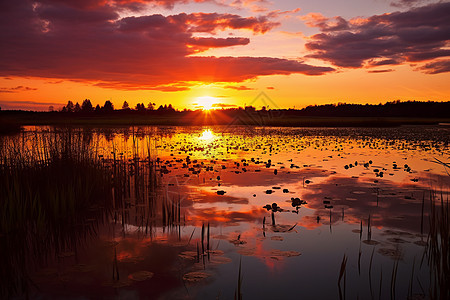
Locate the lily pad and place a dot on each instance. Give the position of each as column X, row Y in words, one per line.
column 284, row 253
column 188, row 254
column 140, row 276
column 195, row 276
column 371, row 242
column 218, row 260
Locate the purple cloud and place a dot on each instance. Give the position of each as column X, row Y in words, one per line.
column 419, row 35
column 89, row 42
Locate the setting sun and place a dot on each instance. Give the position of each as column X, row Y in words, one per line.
column 206, row 102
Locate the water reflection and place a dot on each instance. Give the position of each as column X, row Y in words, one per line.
column 185, row 203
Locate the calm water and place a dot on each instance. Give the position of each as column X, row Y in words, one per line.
column 347, row 179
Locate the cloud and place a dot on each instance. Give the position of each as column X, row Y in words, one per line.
column 253, row 5
column 217, row 42
column 380, row 71
column 436, row 67
column 324, row 23
column 123, row 4
column 89, row 42
column 17, row 89
column 238, row 88
column 419, row 35
column 409, row 3
column 27, row 105
column 223, row 105
column 213, row 22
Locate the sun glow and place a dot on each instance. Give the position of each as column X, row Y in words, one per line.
column 206, row 102
column 207, row 135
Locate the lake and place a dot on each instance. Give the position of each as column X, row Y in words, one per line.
column 225, row 212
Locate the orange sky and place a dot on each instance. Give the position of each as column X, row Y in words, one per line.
column 188, row 53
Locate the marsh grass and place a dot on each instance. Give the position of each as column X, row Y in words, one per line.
column 342, row 274
column 57, row 189
column 238, row 291
column 438, row 247
column 435, row 260
column 53, row 195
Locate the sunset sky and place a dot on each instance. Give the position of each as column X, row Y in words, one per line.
column 225, row 52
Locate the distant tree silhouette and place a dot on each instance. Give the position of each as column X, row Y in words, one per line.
column 50, row 108
column 77, row 108
column 408, row 109
column 166, row 108
column 86, row 106
column 140, row 107
column 69, row 106
column 108, row 107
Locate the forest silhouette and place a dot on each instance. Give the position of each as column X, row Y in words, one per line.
column 341, row 114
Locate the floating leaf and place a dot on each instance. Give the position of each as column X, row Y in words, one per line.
column 284, row 253
column 140, row 276
column 195, row 276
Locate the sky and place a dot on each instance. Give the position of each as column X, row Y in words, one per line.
column 222, row 53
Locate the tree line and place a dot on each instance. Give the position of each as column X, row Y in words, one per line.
column 397, row 108
column 87, row 107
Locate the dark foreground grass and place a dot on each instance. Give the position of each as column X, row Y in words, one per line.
column 51, row 201
column 435, row 259
column 438, row 247
column 56, row 191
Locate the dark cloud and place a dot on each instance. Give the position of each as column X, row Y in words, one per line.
column 87, row 41
column 16, row 89
column 217, row 42
column 418, row 35
column 436, row 67
column 381, row 71
column 126, row 4
column 409, row 3
column 212, row 22
column 27, row 105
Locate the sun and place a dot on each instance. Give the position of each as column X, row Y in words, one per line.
column 206, row 102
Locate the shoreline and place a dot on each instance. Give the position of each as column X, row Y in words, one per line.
column 13, row 120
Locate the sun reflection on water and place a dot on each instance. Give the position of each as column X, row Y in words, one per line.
column 207, row 135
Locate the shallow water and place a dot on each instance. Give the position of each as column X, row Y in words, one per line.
column 373, row 179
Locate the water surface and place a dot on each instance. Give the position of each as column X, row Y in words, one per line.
column 364, row 195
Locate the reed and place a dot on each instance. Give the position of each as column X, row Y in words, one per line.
column 238, row 291
column 438, row 246
column 58, row 188
column 342, row 274
column 394, row 279
column 54, row 194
